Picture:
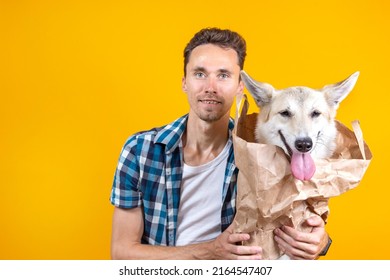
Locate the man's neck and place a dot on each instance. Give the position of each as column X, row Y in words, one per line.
column 204, row 141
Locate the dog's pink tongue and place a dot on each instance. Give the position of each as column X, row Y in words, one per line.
column 302, row 166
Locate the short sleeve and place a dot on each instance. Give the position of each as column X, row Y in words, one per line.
column 125, row 192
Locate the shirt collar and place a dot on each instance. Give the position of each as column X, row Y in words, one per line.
column 170, row 135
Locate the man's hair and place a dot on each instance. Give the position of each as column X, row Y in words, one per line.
column 223, row 38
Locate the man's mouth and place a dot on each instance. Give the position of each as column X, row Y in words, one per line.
column 209, row 101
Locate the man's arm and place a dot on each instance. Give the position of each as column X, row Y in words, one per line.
column 303, row 245
column 127, row 230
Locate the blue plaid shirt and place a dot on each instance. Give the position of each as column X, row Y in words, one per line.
column 149, row 175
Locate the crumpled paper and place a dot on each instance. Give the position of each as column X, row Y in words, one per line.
column 268, row 195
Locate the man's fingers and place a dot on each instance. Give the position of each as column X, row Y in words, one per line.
column 238, row 237
column 315, row 221
column 247, row 252
column 243, row 252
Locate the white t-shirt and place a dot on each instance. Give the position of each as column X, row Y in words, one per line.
column 201, row 200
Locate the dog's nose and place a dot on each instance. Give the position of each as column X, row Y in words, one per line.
column 304, row 145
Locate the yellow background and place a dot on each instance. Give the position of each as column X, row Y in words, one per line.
column 78, row 77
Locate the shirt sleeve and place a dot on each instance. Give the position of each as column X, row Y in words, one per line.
column 125, row 192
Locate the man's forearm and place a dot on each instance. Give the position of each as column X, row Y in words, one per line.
column 201, row 251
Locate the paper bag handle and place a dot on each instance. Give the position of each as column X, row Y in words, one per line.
column 240, row 111
column 239, row 98
column 359, row 137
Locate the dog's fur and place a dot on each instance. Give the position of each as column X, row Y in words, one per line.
column 300, row 120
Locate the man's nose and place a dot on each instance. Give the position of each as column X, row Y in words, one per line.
column 211, row 85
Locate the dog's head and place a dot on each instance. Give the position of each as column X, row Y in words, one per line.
column 300, row 120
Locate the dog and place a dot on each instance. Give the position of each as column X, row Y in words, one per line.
column 299, row 119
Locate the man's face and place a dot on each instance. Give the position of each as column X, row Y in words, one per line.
column 212, row 81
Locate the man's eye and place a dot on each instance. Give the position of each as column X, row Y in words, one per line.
column 199, row 75
column 285, row 113
column 224, row 76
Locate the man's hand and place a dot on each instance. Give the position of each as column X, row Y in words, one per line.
column 127, row 231
column 226, row 246
column 303, row 245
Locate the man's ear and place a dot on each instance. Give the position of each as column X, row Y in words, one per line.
column 184, row 84
column 241, row 87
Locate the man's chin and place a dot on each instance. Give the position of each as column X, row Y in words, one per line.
column 211, row 117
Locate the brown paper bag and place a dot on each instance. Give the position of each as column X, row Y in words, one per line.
column 268, row 196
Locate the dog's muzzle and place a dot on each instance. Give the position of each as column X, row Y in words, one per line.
column 304, row 145
column 289, row 150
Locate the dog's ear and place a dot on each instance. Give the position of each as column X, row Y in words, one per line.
column 335, row 93
column 261, row 92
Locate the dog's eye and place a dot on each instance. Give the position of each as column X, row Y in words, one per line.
column 315, row 114
column 286, row 114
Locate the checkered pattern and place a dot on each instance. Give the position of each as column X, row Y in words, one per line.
column 149, row 174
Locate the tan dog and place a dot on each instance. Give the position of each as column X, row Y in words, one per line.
column 300, row 120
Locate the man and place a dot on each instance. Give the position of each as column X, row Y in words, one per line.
column 175, row 186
